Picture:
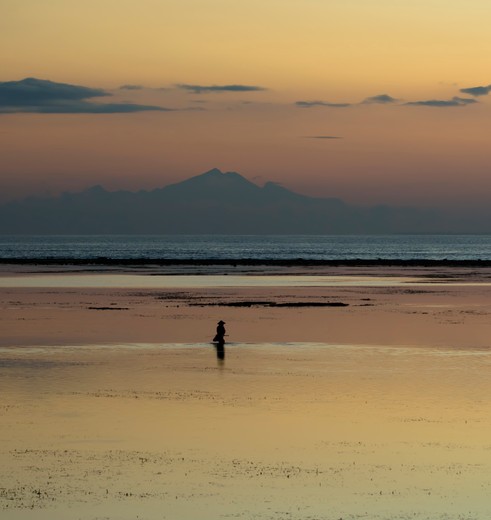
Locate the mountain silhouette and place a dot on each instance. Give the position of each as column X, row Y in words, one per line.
column 210, row 203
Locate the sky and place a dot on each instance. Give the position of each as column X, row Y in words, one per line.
column 371, row 101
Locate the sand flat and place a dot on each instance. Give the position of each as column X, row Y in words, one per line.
column 274, row 431
column 114, row 406
column 421, row 313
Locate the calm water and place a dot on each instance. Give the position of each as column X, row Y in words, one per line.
column 437, row 247
column 275, row 432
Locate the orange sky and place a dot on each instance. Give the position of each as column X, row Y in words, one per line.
column 331, row 52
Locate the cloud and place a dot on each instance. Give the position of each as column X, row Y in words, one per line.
column 131, row 87
column 322, row 137
column 32, row 91
column 194, row 109
column 386, row 99
column 310, row 104
column 442, row 103
column 476, row 91
column 33, row 95
column 381, row 99
column 94, row 108
column 203, row 89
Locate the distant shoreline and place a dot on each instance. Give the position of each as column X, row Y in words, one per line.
column 248, row 262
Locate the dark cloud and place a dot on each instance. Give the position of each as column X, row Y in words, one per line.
column 203, row 89
column 32, row 91
column 131, row 87
column 476, row 91
column 33, row 95
column 92, row 108
column 322, row 137
column 442, row 103
column 310, row 104
column 381, row 99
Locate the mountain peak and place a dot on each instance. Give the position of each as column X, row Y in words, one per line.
column 212, row 173
column 213, row 185
column 216, row 173
column 215, row 177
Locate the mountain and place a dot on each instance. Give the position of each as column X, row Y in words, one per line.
column 211, row 203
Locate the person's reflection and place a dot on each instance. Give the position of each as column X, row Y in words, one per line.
column 220, row 347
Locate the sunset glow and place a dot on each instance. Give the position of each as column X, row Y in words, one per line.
column 254, row 87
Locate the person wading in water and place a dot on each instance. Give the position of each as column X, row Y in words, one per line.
column 219, row 339
column 220, row 335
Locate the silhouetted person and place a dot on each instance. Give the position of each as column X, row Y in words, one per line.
column 220, row 335
column 219, row 339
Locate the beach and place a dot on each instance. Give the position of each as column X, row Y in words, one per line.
column 381, row 305
column 351, row 393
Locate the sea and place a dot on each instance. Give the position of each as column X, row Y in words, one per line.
column 263, row 247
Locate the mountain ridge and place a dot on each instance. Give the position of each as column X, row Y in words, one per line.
column 213, row 202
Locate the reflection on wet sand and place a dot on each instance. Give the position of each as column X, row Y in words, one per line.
column 300, row 431
column 192, row 281
column 220, row 348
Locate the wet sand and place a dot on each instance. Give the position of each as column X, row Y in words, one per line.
column 436, row 307
column 276, row 431
column 114, row 406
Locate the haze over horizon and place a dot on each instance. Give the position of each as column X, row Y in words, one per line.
column 377, row 102
column 225, row 203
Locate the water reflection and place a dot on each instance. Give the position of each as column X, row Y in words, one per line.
column 361, row 432
column 220, row 348
column 191, row 281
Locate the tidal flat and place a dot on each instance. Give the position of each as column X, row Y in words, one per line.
column 272, row 431
column 378, row 409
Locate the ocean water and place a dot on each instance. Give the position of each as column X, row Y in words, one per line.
column 330, row 247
